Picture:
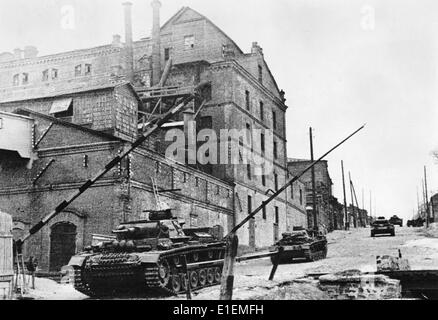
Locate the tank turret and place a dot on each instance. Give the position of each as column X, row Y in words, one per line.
column 149, row 254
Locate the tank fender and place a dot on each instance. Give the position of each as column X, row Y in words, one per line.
column 78, row 260
column 149, row 257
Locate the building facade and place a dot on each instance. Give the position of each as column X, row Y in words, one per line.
column 87, row 105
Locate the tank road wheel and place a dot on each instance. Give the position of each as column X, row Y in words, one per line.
column 217, row 274
column 202, row 277
column 194, row 279
column 164, row 273
column 210, row 276
column 176, row 283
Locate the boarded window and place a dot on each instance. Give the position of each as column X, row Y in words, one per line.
column 62, row 108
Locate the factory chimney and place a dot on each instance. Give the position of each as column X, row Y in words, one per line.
column 129, row 47
column 156, row 43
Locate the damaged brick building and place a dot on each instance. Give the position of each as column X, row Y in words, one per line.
column 80, row 109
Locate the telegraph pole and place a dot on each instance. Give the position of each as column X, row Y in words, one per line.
column 427, row 198
column 352, row 202
column 347, row 222
column 314, row 212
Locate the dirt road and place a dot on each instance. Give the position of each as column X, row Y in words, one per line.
column 353, row 249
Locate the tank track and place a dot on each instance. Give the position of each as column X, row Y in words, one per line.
column 161, row 278
column 316, row 255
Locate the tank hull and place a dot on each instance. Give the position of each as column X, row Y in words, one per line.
column 150, row 273
column 316, row 250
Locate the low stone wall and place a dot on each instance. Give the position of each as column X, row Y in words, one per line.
column 353, row 285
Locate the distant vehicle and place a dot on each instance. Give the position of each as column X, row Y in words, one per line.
column 382, row 226
column 381, row 218
column 395, row 220
column 301, row 244
column 415, row 223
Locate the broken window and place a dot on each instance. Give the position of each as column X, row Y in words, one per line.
column 16, row 80
column 87, row 69
column 54, row 74
column 85, row 161
column 25, row 79
column 262, row 111
column 46, row 75
column 189, row 42
column 78, row 70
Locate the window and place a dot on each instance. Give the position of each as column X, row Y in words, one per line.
column 189, row 42
column 260, row 73
column 248, row 134
column 249, row 204
column 264, row 213
column 276, row 181
column 78, row 70
column 54, row 74
column 87, row 69
column 1, row 123
column 197, row 181
column 301, row 196
column 262, row 111
column 247, row 100
column 248, row 171
column 275, row 150
column 277, row 216
column 16, row 80
column 291, row 191
column 274, row 120
column 262, row 143
column 263, row 177
column 166, row 54
column 45, row 75
column 25, row 79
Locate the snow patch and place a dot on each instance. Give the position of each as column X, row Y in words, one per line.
column 424, row 243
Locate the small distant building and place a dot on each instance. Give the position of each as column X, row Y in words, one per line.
column 323, row 190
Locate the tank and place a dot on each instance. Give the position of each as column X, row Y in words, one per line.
column 148, row 257
column 301, row 244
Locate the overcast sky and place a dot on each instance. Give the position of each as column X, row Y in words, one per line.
column 342, row 63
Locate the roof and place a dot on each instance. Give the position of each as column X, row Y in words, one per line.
column 184, row 9
column 70, row 91
column 28, row 113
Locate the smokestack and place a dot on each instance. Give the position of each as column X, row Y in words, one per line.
column 129, row 50
column 156, row 43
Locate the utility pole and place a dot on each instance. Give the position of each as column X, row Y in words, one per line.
column 427, row 198
column 314, row 212
column 352, row 203
column 371, row 205
column 424, row 198
column 346, row 222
